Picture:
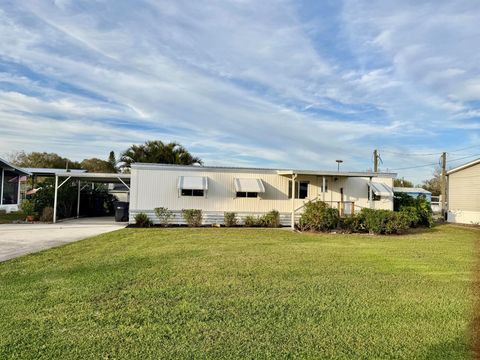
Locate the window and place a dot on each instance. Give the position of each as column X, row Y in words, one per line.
column 10, row 188
column 375, row 196
column 192, row 192
column 301, row 189
column 243, row 194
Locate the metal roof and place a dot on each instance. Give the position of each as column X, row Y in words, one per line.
column 464, row 166
column 51, row 171
column 6, row 165
column 96, row 177
column 268, row 170
column 410, row 190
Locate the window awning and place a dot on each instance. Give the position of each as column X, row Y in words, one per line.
column 382, row 189
column 249, row 185
column 193, row 183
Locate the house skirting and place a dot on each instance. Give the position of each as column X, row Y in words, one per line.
column 9, row 208
column 463, row 217
column 209, row 217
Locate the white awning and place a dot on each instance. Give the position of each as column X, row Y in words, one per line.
column 192, row 183
column 382, row 189
column 249, row 185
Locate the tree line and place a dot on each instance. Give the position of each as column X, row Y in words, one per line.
column 154, row 151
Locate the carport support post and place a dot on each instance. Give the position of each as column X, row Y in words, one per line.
column 294, row 177
column 78, row 200
column 55, row 200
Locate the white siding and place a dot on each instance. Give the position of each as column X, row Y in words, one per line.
column 152, row 187
column 464, row 195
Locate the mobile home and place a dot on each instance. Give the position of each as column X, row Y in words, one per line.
column 252, row 191
column 463, row 195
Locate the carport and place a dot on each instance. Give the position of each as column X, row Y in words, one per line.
column 88, row 179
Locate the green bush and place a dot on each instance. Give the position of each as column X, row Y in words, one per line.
column 251, row 221
column 230, row 219
column 424, row 211
column 318, row 216
column 353, row 224
column 270, row 219
column 28, row 208
column 411, row 213
column 142, row 220
column 47, row 214
column 385, row 221
column 164, row 215
column 193, row 217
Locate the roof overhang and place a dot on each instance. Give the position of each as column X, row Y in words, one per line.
column 334, row 173
column 7, row 166
column 464, row 166
column 50, row 172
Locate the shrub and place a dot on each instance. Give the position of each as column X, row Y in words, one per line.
column 230, row 219
column 28, row 207
column 353, row 224
column 164, row 215
column 424, row 211
column 47, row 214
column 270, row 219
column 251, row 221
column 411, row 213
column 386, row 221
column 142, row 220
column 193, row 217
column 318, row 216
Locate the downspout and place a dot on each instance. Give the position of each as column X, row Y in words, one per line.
column 78, row 199
column 370, row 192
column 1, row 186
column 323, row 188
column 292, row 225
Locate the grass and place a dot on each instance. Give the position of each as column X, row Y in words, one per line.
column 11, row 217
column 241, row 293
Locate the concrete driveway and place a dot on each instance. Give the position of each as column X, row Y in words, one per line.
column 20, row 239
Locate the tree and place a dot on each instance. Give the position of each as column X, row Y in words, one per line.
column 434, row 184
column 42, row 160
column 112, row 161
column 402, row 183
column 97, row 165
column 158, row 152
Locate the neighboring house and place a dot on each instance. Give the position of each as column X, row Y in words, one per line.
column 414, row 192
column 251, row 191
column 463, row 195
column 10, row 186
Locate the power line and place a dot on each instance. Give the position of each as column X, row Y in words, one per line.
column 428, row 154
column 432, row 164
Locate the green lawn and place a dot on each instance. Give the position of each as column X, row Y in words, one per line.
column 11, row 217
column 242, row 293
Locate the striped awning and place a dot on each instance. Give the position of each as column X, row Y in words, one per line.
column 249, row 185
column 193, row 183
column 382, row 190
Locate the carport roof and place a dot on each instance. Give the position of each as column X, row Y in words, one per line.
column 6, row 165
column 96, row 177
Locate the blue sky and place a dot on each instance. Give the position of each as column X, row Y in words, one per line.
column 248, row 83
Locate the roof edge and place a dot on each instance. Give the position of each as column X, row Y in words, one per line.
column 464, row 166
column 13, row 167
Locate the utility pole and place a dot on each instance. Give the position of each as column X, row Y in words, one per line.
column 443, row 183
column 375, row 160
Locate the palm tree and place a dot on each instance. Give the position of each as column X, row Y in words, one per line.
column 158, row 152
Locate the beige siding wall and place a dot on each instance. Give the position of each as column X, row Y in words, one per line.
column 464, row 189
column 155, row 187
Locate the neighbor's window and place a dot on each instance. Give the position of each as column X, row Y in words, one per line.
column 241, row 194
column 191, row 192
column 375, row 197
column 301, row 189
column 10, row 188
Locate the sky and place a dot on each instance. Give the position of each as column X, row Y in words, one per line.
column 271, row 83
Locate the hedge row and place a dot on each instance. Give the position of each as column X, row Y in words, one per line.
column 318, row 216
